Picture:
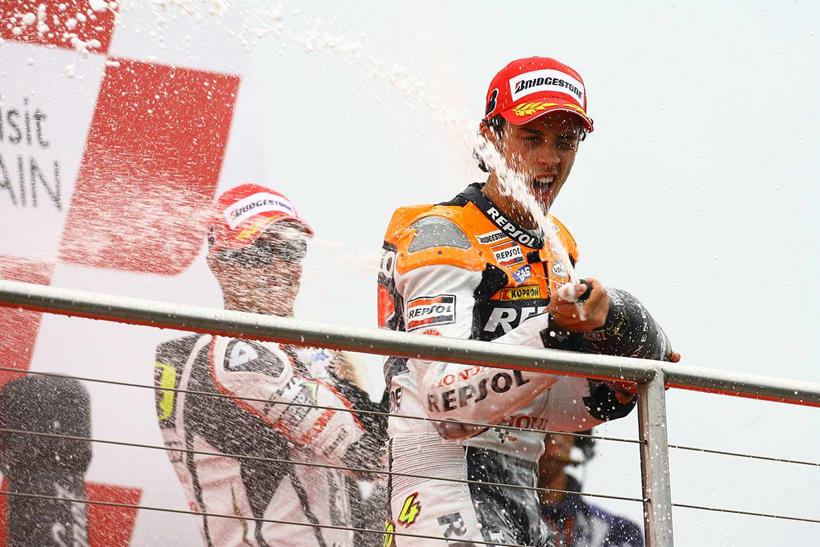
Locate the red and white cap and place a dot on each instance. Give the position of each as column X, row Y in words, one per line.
column 242, row 214
column 528, row 88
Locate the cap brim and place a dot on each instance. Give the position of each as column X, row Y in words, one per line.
column 235, row 243
column 296, row 220
column 528, row 111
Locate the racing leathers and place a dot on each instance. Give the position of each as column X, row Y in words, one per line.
column 243, row 414
column 462, row 269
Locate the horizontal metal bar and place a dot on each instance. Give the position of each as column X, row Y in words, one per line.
column 741, row 384
column 308, row 333
column 381, row 342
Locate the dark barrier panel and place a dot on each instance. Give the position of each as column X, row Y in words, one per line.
column 46, row 466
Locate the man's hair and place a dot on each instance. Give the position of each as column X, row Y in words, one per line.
column 586, row 444
column 496, row 125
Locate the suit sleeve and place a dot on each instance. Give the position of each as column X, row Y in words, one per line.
column 629, row 331
column 263, row 380
column 440, row 298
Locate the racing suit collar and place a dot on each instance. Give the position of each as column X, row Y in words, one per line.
column 528, row 238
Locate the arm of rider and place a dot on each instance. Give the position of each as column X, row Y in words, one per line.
column 611, row 322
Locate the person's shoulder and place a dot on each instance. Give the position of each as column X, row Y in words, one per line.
column 243, row 356
column 177, row 350
column 622, row 531
column 625, row 531
column 428, row 235
column 565, row 237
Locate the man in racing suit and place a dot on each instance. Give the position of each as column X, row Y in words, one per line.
column 480, row 267
column 244, row 443
column 573, row 521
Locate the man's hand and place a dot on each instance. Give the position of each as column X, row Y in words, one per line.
column 580, row 307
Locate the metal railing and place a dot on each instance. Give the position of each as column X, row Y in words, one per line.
column 652, row 377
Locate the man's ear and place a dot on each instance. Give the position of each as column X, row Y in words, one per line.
column 214, row 264
column 485, row 131
column 491, row 135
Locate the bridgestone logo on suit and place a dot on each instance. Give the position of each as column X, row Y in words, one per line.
column 428, row 311
column 490, row 237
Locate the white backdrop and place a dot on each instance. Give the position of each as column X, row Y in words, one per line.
column 697, row 192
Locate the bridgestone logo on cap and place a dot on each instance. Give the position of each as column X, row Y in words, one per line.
column 546, row 80
column 261, row 202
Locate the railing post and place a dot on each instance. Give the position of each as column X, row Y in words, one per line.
column 655, row 462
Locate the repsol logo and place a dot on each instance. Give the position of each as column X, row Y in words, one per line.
column 508, row 254
column 521, row 236
column 474, row 393
column 427, row 310
column 431, row 311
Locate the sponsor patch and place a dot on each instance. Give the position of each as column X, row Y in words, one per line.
column 471, row 392
column 453, row 526
column 389, row 527
column 526, row 292
column 491, row 237
column 530, row 108
column 431, row 332
column 410, row 510
column 546, row 80
column 511, row 229
column 508, row 254
column 523, row 273
column 595, row 335
column 241, row 356
column 430, row 311
column 261, row 202
column 503, row 319
column 559, row 269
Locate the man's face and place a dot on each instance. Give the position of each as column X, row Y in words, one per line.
column 264, row 277
column 542, row 151
column 557, row 450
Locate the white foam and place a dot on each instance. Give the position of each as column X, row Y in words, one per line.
column 98, row 5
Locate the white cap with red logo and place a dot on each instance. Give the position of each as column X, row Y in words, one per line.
column 242, row 214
